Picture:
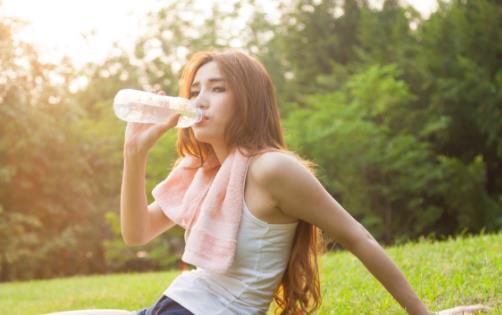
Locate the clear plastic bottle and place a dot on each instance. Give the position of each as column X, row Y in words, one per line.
column 145, row 107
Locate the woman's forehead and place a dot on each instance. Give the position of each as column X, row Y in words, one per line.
column 209, row 72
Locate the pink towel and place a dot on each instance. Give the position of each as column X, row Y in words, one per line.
column 207, row 202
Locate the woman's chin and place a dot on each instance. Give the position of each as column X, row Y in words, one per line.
column 201, row 136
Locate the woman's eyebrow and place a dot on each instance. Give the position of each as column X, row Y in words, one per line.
column 210, row 80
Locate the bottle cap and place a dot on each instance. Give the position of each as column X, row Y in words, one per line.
column 200, row 114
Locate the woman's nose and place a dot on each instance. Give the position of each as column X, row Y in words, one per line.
column 201, row 102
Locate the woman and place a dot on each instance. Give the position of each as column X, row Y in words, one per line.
column 283, row 204
column 238, row 98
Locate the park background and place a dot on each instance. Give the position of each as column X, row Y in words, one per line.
column 402, row 113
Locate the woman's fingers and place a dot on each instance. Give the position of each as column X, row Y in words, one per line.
column 159, row 129
column 171, row 122
column 144, row 136
column 464, row 310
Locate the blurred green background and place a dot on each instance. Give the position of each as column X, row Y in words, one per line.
column 403, row 115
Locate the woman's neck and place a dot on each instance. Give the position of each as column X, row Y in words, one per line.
column 221, row 152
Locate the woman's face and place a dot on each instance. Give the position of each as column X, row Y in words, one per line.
column 211, row 93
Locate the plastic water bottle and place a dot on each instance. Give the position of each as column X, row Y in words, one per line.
column 145, row 107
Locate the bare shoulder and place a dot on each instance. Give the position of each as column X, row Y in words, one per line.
column 270, row 167
column 299, row 194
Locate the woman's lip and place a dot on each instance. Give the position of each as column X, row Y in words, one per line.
column 203, row 120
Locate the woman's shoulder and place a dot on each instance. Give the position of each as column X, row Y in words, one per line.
column 274, row 158
column 270, row 166
column 287, row 180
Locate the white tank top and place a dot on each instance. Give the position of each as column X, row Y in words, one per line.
column 260, row 260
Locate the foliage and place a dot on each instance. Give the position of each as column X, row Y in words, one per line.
column 47, row 183
column 387, row 177
column 403, row 114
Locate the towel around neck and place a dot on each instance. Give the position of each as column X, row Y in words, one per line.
column 207, row 202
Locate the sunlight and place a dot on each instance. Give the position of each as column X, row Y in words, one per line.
column 85, row 30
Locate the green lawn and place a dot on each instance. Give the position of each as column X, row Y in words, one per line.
column 444, row 274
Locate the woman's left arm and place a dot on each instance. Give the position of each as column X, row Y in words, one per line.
column 299, row 193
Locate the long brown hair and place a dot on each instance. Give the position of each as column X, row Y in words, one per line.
column 256, row 127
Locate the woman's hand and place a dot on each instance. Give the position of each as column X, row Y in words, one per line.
column 140, row 138
column 464, row 310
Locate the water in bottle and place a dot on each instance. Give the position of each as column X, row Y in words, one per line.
column 145, row 107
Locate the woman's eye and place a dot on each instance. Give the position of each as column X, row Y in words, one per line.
column 215, row 89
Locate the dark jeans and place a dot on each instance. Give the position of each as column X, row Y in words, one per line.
column 165, row 306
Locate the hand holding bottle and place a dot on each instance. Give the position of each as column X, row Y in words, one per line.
column 140, row 137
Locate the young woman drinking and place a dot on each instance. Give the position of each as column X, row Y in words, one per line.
column 252, row 210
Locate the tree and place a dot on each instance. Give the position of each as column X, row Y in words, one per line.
column 388, row 178
column 46, row 182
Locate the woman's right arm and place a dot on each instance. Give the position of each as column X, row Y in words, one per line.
column 140, row 222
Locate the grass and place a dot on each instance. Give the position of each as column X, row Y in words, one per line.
column 444, row 274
